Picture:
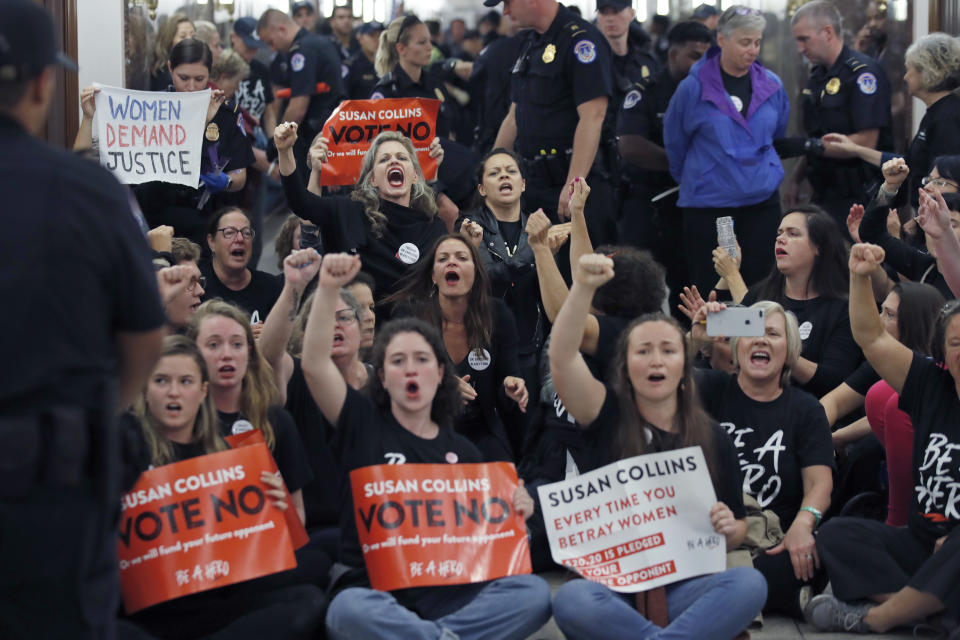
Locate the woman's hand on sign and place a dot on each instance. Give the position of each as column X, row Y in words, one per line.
column 319, row 151
column 726, row 524
column 88, row 101
column 467, row 393
column 285, row 135
column 217, row 98
column 522, row 502
column 436, row 151
column 276, row 490
column 516, row 389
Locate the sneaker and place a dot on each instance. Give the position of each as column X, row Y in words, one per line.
column 826, row 613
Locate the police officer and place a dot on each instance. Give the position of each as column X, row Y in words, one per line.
column 341, row 26
column 650, row 219
column 79, row 338
column 847, row 92
column 361, row 76
column 561, row 87
column 492, row 70
column 314, row 75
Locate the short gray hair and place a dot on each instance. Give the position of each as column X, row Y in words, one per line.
column 820, row 13
column 794, row 343
column 936, row 57
column 741, row 17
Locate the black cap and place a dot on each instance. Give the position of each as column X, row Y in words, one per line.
column 491, row 3
column 705, row 11
column 28, row 44
column 618, row 4
column 301, row 4
column 370, row 27
column 246, row 28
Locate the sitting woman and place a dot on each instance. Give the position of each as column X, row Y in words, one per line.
column 390, row 217
column 174, row 419
column 783, row 440
column 650, row 405
column 229, row 277
column 809, row 281
column 905, row 573
column 177, row 28
column 408, row 416
column 917, row 265
column 450, row 293
column 497, row 228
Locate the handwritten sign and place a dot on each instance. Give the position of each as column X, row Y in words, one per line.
column 200, row 524
column 355, row 123
column 637, row 523
column 439, row 524
column 151, row 135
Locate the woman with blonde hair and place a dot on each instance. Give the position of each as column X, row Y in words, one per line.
column 177, row 28
column 390, row 218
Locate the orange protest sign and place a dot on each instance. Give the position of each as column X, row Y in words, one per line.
column 438, row 524
column 355, row 123
column 298, row 533
column 200, row 524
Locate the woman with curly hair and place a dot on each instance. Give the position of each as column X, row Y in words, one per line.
column 389, row 219
column 406, row 419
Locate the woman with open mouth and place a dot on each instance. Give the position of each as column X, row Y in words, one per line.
column 450, row 292
column 406, row 418
column 389, row 219
column 649, row 405
column 228, row 274
column 783, row 440
column 175, row 419
column 496, row 226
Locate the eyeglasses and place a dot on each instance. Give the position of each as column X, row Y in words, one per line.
column 938, row 182
column 229, row 233
column 345, row 317
column 199, row 280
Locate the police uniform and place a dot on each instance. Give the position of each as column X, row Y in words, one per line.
column 225, row 143
column 568, row 65
column 852, row 95
column 360, row 76
column 655, row 226
column 76, row 272
column 311, row 61
column 492, row 68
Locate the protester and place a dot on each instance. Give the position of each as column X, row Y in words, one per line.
column 230, row 239
column 175, row 30
column 413, row 400
column 450, row 292
column 912, row 572
column 718, row 133
column 389, row 218
column 808, row 281
column 183, row 305
column 174, row 420
column 363, row 288
column 649, row 405
column 760, row 409
column 228, row 72
column 207, row 33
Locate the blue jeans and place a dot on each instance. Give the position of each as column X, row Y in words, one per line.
column 716, row 606
column 511, row 607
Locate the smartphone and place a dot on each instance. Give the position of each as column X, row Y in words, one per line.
column 725, row 236
column 738, row 321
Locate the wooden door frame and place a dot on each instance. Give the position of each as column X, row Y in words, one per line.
column 64, row 117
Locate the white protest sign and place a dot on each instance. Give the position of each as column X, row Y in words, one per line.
column 152, row 135
column 637, row 523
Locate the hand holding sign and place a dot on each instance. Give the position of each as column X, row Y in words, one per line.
column 285, row 135
column 88, row 102
column 217, row 98
column 276, row 490
column 436, row 151
column 523, row 502
column 318, row 152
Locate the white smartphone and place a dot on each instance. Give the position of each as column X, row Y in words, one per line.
column 736, row 322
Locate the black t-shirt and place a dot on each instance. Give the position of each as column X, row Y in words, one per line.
column 929, row 396
column 937, row 135
column 727, row 481
column 862, row 378
column 75, row 271
column 287, row 449
column 369, row 436
column 774, row 440
column 255, row 93
column 740, row 90
column 257, row 298
column 511, row 234
column 827, row 339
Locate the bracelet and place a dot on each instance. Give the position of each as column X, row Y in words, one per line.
column 816, row 514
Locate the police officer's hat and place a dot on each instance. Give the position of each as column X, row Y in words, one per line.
column 370, row 27
column 491, row 3
column 246, row 28
column 27, row 42
column 302, row 4
column 619, row 5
